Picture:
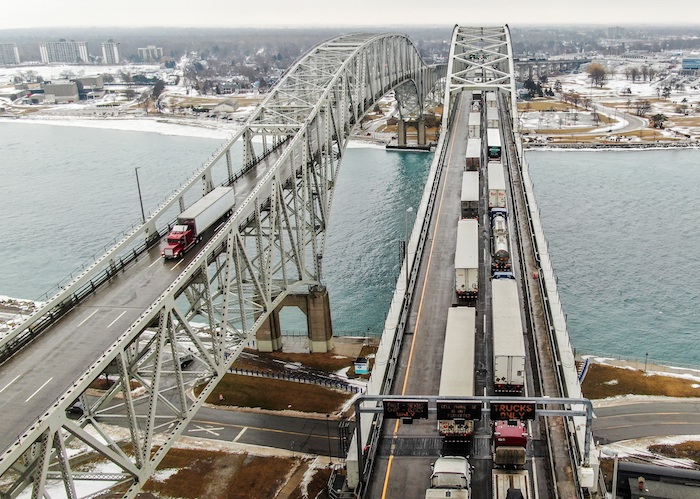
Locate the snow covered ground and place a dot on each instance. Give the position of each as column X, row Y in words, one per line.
column 616, row 99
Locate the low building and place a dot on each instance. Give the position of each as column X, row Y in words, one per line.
column 150, row 53
column 89, row 83
column 61, row 92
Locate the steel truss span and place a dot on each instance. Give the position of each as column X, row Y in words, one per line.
column 481, row 59
column 181, row 324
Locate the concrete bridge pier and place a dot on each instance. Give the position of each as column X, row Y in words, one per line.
column 316, row 307
column 402, row 132
column 420, row 128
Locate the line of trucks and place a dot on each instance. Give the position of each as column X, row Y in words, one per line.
column 451, row 475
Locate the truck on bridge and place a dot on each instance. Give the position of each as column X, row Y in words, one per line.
column 457, row 374
column 195, row 220
column 511, row 484
column 451, row 477
column 467, row 259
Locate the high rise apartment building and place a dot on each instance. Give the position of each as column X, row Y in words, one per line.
column 63, row 51
column 9, row 54
column 111, row 53
column 151, row 53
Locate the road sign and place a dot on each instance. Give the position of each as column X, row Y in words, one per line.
column 447, row 409
column 512, row 410
column 414, row 409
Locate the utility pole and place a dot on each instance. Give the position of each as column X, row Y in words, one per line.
column 138, row 186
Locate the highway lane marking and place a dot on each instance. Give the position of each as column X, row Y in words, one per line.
column 4, row 387
column 115, row 320
column 87, row 318
column 240, row 434
column 209, row 430
column 39, row 389
column 272, row 430
column 680, row 423
column 420, row 305
column 633, row 414
column 157, row 261
column 176, row 265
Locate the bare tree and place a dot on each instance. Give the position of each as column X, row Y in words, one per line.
column 642, row 106
column 597, row 73
column 634, row 72
column 645, row 72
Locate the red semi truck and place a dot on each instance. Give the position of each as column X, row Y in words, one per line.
column 509, row 443
column 196, row 219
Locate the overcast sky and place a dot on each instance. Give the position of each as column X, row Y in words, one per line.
column 232, row 13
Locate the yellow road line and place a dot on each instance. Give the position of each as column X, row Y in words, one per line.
column 420, row 309
column 271, row 430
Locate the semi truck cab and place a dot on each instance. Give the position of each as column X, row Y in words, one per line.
column 180, row 239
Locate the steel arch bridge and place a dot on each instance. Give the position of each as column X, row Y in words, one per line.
column 283, row 165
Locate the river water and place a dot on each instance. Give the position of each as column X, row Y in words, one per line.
column 621, row 226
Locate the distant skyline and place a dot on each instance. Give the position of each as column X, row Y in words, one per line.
column 322, row 13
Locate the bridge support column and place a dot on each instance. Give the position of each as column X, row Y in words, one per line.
column 402, row 132
column 269, row 336
column 319, row 321
column 316, row 307
column 421, row 131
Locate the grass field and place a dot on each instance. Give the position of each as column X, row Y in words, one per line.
column 603, row 381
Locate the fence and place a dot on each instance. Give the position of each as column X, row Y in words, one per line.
column 306, row 378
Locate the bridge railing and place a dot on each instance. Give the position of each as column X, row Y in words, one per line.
column 360, row 463
column 555, row 319
column 114, row 261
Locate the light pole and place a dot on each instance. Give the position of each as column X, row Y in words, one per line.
column 138, row 186
column 328, row 433
column 408, row 210
column 614, row 455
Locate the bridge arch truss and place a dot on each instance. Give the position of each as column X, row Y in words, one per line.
column 283, row 165
column 481, row 59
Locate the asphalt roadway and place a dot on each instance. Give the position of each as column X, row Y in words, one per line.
column 293, row 433
column 629, row 419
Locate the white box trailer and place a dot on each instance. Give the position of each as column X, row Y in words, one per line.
column 470, row 194
column 508, row 338
column 491, row 117
column 473, row 157
column 491, row 99
column 514, row 481
column 474, row 127
column 497, row 186
column 457, row 372
column 467, row 259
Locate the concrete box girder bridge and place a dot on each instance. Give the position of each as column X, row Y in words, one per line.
column 168, row 326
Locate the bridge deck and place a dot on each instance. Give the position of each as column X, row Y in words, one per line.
column 41, row 373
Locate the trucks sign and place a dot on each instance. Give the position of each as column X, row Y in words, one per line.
column 512, row 410
column 413, row 409
column 458, row 410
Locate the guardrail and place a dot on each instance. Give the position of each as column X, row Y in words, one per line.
column 550, row 302
column 112, row 267
column 368, row 456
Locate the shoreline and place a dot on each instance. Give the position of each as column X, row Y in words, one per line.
column 151, row 124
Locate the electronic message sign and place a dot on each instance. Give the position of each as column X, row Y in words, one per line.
column 447, row 409
column 512, row 410
column 413, row 409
